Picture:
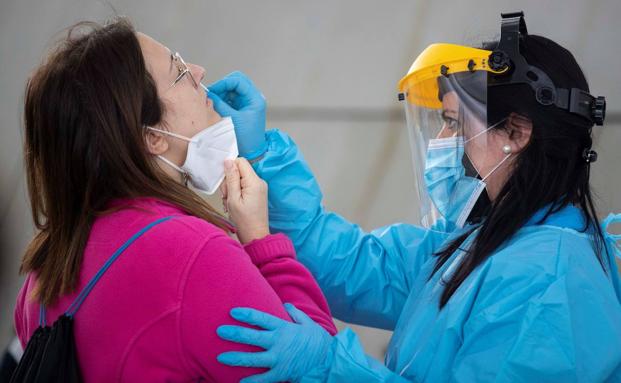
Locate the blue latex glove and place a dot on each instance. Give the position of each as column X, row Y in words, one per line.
column 291, row 349
column 236, row 96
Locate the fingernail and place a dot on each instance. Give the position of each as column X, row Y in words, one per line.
column 228, row 164
column 237, row 313
column 222, row 331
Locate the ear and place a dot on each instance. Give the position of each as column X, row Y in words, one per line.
column 156, row 143
column 520, row 130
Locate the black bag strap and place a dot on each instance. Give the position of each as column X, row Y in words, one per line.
column 77, row 302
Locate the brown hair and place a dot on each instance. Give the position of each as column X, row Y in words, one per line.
column 85, row 109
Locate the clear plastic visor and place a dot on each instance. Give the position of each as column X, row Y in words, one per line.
column 450, row 141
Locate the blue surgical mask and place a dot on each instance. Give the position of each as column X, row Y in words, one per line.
column 451, row 191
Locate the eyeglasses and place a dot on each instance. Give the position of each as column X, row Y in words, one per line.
column 183, row 69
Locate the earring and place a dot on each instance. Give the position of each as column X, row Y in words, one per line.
column 506, row 149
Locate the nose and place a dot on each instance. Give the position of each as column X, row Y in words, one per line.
column 198, row 72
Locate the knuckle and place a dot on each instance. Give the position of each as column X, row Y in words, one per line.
column 255, row 336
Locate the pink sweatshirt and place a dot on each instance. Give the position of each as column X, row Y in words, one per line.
column 153, row 316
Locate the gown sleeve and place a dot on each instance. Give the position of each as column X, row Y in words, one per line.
column 366, row 276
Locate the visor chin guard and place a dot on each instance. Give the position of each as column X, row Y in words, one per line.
column 514, row 68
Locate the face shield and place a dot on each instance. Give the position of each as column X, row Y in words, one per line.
column 445, row 97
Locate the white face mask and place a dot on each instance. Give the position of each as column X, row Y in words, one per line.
column 207, row 151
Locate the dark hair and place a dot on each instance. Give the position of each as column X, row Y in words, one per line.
column 85, row 109
column 549, row 171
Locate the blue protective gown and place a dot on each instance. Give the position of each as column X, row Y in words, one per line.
column 540, row 309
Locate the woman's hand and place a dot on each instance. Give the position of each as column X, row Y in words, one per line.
column 292, row 349
column 236, row 96
column 244, row 196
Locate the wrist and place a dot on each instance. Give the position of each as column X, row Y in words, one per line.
column 247, row 235
column 256, row 154
column 320, row 370
column 268, row 249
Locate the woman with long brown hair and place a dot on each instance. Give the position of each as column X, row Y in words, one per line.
column 116, row 125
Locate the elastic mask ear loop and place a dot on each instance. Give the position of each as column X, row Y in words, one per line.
column 184, row 138
column 171, row 164
column 486, row 130
column 185, row 175
column 168, row 162
column 496, row 167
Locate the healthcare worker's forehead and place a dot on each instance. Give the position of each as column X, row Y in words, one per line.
column 156, row 56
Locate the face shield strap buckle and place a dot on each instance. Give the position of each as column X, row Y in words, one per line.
column 515, row 69
column 506, row 57
column 512, row 28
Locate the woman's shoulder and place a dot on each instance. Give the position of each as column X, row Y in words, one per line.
column 545, row 252
column 166, row 251
column 540, row 263
column 138, row 213
column 171, row 233
column 188, row 227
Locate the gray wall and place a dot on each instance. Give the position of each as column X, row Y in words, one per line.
column 329, row 71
